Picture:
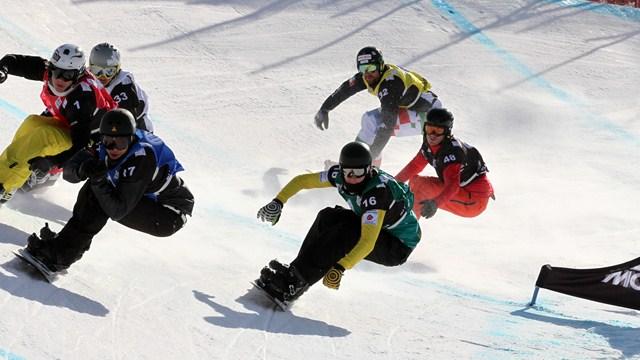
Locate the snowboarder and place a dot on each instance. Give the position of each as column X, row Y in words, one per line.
column 131, row 179
column 461, row 186
column 405, row 97
column 75, row 101
column 104, row 63
column 380, row 226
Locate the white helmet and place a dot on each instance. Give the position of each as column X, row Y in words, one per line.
column 69, row 57
column 104, row 54
column 104, row 62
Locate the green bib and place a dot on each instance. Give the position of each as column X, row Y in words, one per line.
column 406, row 228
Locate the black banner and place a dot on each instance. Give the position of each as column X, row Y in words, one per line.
column 615, row 285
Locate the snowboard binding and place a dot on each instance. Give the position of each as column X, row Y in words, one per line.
column 283, row 281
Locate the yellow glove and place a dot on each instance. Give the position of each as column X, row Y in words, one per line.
column 333, row 276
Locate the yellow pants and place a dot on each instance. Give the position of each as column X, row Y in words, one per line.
column 36, row 136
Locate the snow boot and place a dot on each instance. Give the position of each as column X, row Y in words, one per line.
column 284, row 280
column 42, row 248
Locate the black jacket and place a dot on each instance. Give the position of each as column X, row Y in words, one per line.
column 135, row 180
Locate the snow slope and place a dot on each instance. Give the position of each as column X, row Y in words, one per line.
column 547, row 90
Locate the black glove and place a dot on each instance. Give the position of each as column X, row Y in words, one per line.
column 322, row 119
column 429, row 208
column 91, row 168
column 271, row 212
column 40, row 165
column 3, row 74
column 71, row 168
column 333, row 276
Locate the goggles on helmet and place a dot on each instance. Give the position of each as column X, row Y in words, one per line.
column 103, row 72
column 354, row 173
column 68, row 75
column 367, row 68
column 434, row 130
column 116, row 142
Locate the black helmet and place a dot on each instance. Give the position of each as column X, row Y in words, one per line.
column 440, row 117
column 355, row 155
column 369, row 55
column 118, row 122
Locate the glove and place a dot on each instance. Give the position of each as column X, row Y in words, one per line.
column 429, row 208
column 333, row 276
column 40, row 165
column 322, row 119
column 71, row 170
column 3, row 74
column 271, row 212
column 91, row 168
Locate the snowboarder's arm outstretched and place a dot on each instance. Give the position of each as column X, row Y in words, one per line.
column 347, row 89
column 28, row 67
column 272, row 211
column 300, row 182
column 413, row 168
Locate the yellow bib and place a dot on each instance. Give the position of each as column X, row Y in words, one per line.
column 409, row 78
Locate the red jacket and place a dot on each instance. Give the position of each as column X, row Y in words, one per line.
column 448, row 173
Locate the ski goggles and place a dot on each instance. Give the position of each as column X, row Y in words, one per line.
column 367, row 68
column 103, row 72
column 354, row 172
column 434, row 130
column 67, row 75
column 116, row 142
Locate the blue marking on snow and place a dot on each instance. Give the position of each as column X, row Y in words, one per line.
column 12, row 109
column 9, row 356
column 496, row 325
column 476, row 33
column 13, row 29
column 501, row 327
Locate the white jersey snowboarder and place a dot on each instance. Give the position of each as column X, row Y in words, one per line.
column 104, row 63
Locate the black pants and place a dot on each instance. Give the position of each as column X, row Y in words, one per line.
column 88, row 219
column 334, row 233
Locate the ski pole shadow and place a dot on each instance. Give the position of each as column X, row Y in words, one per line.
column 261, row 317
column 621, row 338
column 23, row 281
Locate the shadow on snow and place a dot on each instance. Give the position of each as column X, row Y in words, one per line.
column 261, row 317
column 621, row 338
column 21, row 280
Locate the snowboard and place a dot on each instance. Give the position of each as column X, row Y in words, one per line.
column 41, row 268
column 282, row 305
